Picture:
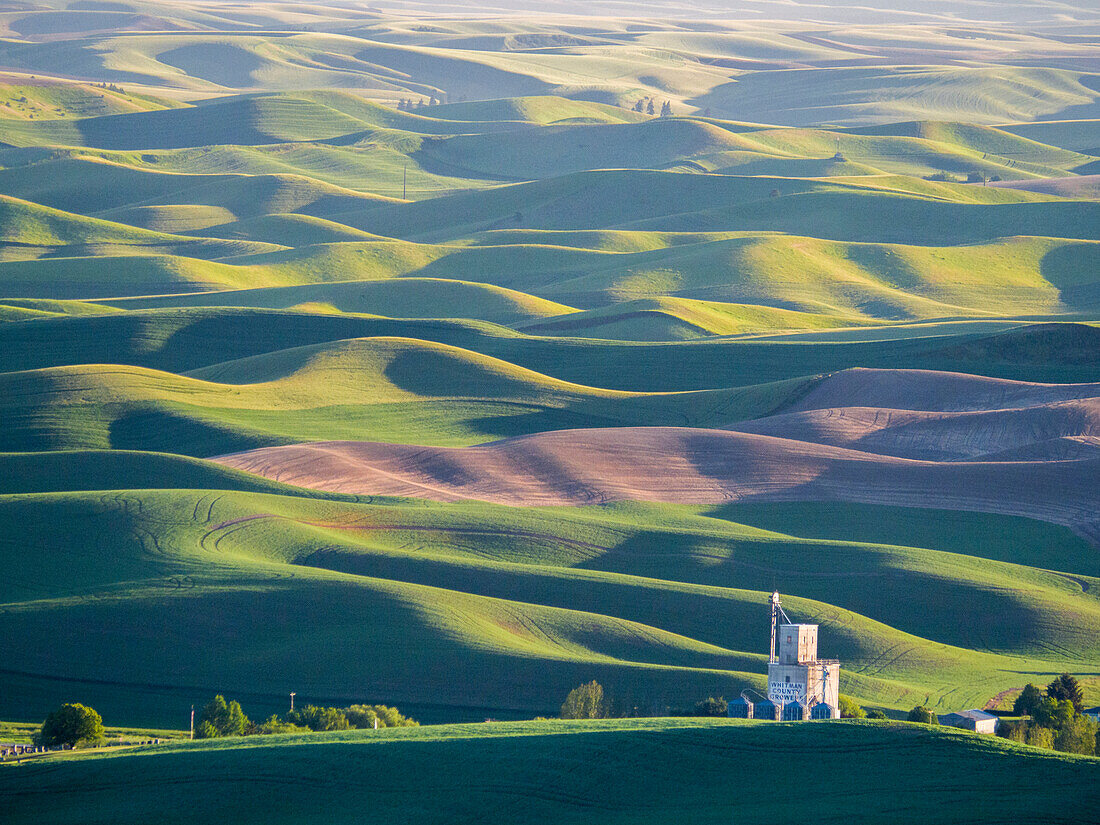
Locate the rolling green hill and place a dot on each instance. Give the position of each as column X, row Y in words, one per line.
column 30, row 230
column 374, row 389
column 29, row 101
column 676, row 319
column 271, row 229
column 1026, row 276
column 638, row 596
column 409, row 297
column 179, row 340
column 859, row 95
column 623, row 771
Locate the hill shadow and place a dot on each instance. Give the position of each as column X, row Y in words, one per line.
column 169, row 432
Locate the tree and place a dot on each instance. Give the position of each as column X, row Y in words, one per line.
column 387, row 717
column 875, row 713
column 1053, row 713
column 1039, row 737
column 434, row 101
column 276, row 725
column 924, row 715
column 585, row 702
column 354, row 716
column 666, row 110
column 712, row 707
column 649, row 109
column 319, row 718
column 1078, row 735
column 1027, row 701
column 850, row 709
column 72, row 724
column 362, row 717
column 1067, row 687
column 639, row 105
column 221, row 718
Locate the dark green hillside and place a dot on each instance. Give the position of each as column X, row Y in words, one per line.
column 369, row 389
column 29, row 230
column 685, row 202
column 245, row 121
column 638, row 596
column 620, row 772
column 188, row 339
column 396, row 297
column 88, row 186
column 62, row 471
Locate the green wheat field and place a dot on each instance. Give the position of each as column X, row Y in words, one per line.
column 451, row 356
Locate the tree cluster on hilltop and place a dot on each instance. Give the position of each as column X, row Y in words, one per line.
column 409, row 104
column 221, row 718
column 1054, row 718
column 646, row 105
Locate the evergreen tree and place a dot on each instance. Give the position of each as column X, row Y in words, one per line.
column 1027, row 701
column 666, row 110
column 1068, row 688
column 649, row 110
column 639, row 106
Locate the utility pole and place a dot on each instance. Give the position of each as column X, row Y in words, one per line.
column 292, row 695
column 192, row 721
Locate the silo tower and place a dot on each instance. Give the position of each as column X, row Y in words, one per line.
column 795, row 674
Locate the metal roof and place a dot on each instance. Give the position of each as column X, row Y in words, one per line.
column 976, row 715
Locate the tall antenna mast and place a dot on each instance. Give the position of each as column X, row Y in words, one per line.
column 775, row 622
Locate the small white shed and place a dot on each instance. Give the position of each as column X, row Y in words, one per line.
column 976, row 720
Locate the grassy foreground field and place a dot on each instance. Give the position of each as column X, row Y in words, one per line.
column 629, row 771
